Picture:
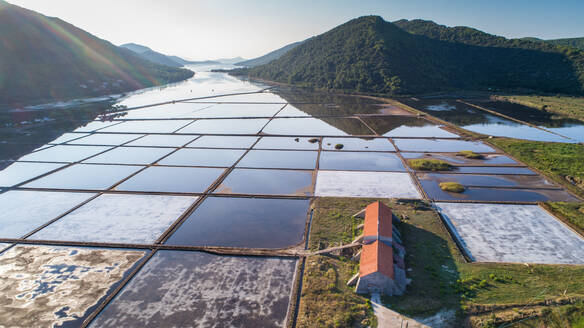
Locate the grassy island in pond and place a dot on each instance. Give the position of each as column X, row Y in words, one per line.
column 452, row 187
column 429, row 165
column 470, row 154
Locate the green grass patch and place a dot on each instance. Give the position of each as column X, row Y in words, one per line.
column 429, row 165
column 451, row 187
column 572, row 107
column 470, row 154
column 573, row 212
column 561, row 162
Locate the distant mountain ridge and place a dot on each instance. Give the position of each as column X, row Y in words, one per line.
column 229, row 60
column 371, row 55
column 45, row 59
column 569, row 42
column 156, row 57
column 472, row 36
column 173, row 61
column 273, row 55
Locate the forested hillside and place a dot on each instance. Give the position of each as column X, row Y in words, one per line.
column 572, row 42
column 371, row 55
column 44, row 59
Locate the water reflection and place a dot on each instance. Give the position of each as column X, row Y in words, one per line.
column 476, row 120
column 244, row 222
column 267, row 182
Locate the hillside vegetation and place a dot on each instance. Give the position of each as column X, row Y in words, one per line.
column 570, row 42
column 371, row 55
column 44, row 59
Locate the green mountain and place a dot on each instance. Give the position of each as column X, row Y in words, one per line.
column 44, row 59
column 269, row 56
column 371, row 55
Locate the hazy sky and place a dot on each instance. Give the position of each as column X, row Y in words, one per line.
column 201, row 29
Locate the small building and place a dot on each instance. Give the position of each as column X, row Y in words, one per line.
column 381, row 262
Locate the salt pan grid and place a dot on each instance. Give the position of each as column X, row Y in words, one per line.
column 229, row 163
column 513, row 233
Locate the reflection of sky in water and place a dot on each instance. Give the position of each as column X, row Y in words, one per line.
column 514, row 130
column 203, row 84
column 116, row 218
column 41, row 207
column 482, row 122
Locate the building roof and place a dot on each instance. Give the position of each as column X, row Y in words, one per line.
column 378, row 220
column 376, row 257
